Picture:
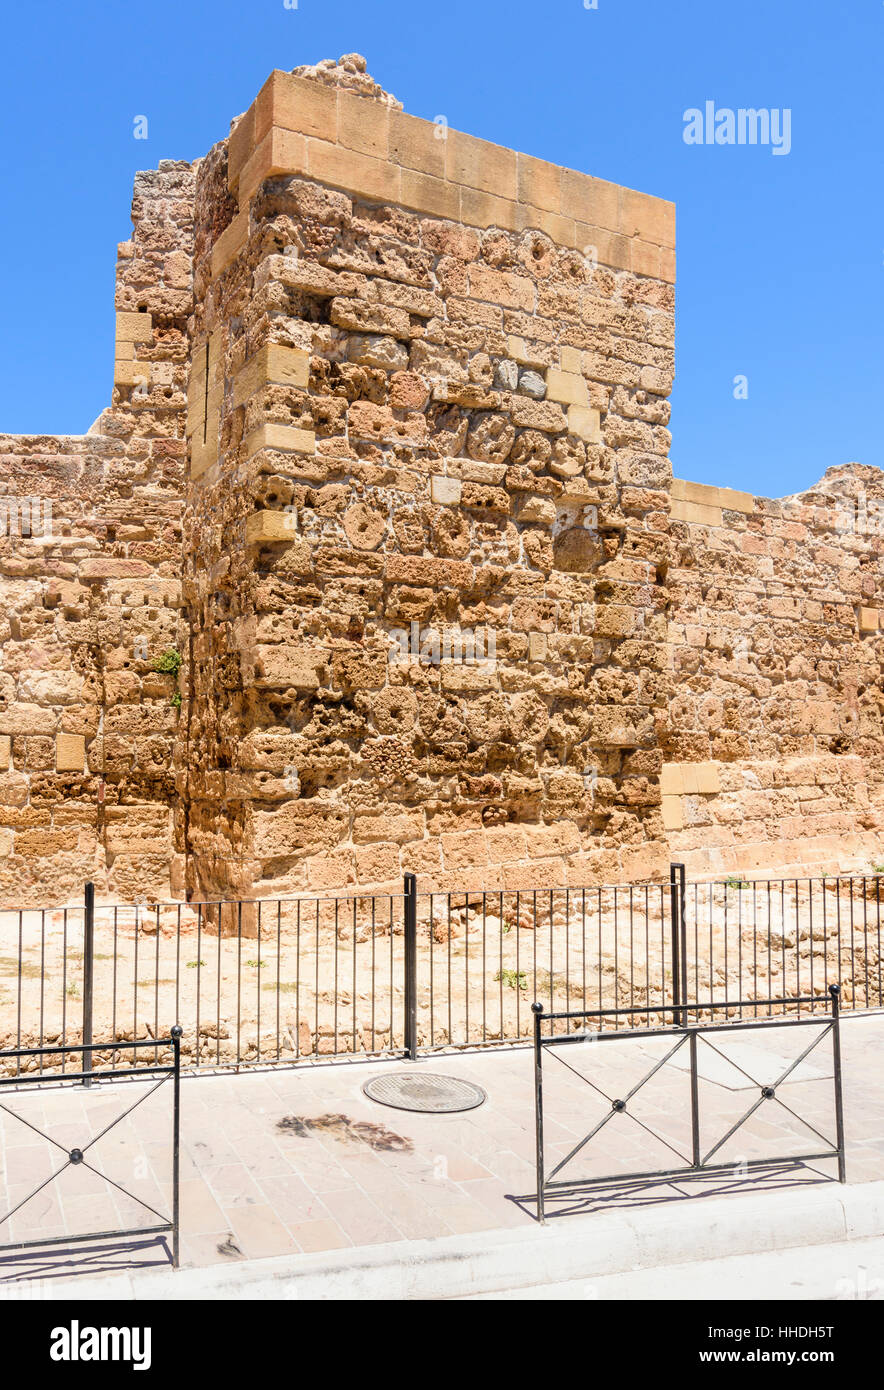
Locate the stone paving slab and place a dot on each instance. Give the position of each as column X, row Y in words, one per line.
column 288, row 1161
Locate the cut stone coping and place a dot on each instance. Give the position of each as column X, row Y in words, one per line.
column 485, row 1262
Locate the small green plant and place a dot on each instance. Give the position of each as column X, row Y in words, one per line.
column 169, row 663
column 73, row 990
column 513, row 979
column 735, row 882
column 193, row 964
column 878, row 868
column 257, row 964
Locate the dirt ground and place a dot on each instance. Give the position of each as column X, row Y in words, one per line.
column 293, row 978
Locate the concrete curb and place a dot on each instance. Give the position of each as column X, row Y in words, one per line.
column 681, row 1232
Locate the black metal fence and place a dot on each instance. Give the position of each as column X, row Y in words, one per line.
column 320, row 978
column 701, row 1157
column 166, row 1067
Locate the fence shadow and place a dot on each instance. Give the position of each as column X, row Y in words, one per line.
column 111, row 1256
column 584, row 1196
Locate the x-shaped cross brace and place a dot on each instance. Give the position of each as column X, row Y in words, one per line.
column 75, row 1157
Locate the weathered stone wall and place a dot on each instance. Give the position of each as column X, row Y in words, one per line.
column 775, row 739
column 89, row 741
column 455, row 421
column 383, row 391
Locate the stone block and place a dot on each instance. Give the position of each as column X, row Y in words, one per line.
column 272, row 364
column 868, row 620
column 647, row 218
column 585, row 422
column 268, row 528
column 671, row 779
column 572, row 360
column 282, row 665
column 478, row 209
column 280, row 152
column 445, row 491
column 536, row 509
column 427, row 194
column 481, row 165
column 693, row 512
column 590, row 200
column 240, row 145
column 417, row 144
column 297, row 104
column 539, row 183
column 501, row 287
column 361, row 174
column 134, row 328
column 230, row 243
column 569, row 388
column 282, row 437
column 672, row 813
column 131, row 373
column 537, row 646
column 708, row 779
column 70, row 752
column 363, row 126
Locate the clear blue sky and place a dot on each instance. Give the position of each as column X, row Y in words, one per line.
column 781, row 258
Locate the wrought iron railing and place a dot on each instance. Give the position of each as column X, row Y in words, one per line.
column 286, row 980
column 551, row 1040
column 75, row 1156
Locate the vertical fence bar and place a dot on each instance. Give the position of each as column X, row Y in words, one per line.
column 537, row 1011
column 834, row 992
column 176, row 1137
column 679, row 941
column 21, row 959
column 88, row 964
column 410, row 993
column 695, row 1100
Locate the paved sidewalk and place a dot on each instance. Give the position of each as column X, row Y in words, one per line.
column 284, row 1162
column 842, row 1271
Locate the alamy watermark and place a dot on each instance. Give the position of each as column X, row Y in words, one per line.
column 432, row 645
column 25, row 516
column 711, row 125
column 858, row 516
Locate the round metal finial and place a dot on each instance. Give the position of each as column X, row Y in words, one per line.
column 834, row 990
column 618, row 1105
column 177, row 1031
column 537, row 1008
column 76, row 1155
column 768, row 1092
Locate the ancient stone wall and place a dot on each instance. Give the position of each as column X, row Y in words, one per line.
column 423, row 413
column 776, row 726
column 386, row 470
column 90, row 591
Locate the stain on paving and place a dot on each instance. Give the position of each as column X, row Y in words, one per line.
column 229, row 1247
column 348, row 1131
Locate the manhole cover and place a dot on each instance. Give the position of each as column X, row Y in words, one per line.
column 407, row 1090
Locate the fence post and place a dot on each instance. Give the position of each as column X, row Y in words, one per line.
column 537, row 1011
column 695, row 1102
column 679, row 942
column 834, row 995
column 88, row 961
column 410, row 1038
column 176, row 1139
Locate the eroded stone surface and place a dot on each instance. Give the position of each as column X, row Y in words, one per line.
column 395, row 487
